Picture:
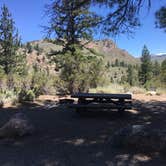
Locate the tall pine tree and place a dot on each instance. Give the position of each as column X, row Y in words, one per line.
column 145, row 73
column 71, row 21
column 163, row 73
column 9, row 41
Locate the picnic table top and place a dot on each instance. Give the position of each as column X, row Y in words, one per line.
column 101, row 95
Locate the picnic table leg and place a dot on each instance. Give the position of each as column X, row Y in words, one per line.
column 81, row 110
column 122, row 109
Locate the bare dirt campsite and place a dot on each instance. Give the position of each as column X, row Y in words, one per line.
column 64, row 138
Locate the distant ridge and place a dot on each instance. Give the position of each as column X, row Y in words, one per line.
column 158, row 57
column 107, row 48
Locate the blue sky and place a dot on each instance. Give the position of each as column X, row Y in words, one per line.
column 28, row 16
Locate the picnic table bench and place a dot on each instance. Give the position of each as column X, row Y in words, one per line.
column 95, row 101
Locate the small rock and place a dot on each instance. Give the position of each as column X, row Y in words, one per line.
column 137, row 128
column 17, row 126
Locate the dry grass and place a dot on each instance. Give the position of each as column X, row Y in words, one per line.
column 112, row 88
column 137, row 90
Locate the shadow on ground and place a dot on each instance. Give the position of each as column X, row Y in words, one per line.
column 63, row 138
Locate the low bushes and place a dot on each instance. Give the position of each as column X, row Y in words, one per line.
column 137, row 90
column 8, row 96
column 26, row 95
column 18, row 88
column 112, row 88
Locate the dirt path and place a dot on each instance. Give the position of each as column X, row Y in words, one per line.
column 64, row 138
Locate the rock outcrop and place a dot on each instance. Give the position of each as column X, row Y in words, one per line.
column 18, row 126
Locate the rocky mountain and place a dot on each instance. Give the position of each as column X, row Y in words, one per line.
column 107, row 48
column 111, row 52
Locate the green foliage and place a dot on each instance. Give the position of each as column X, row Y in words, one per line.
column 2, row 72
column 71, row 21
column 79, row 72
column 108, row 65
column 26, row 95
column 116, row 62
column 110, row 88
column 122, row 15
column 15, row 87
column 163, row 73
column 156, row 69
column 38, row 49
column 42, row 83
column 9, row 41
column 29, row 47
column 20, row 67
column 161, row 18
column 145, row 73
column 7, row 95
column 132, row 76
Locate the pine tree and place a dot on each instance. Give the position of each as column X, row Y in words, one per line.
column 116, row 62
column 71, row 21
column 132, row 75
column 163, row 73
column 80, row 72
column 9, row 41
column 161, row 18
column 156, row 69
column 122, row 16
column 145, row 73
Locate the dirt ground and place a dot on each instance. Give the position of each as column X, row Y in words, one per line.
column 64, row 138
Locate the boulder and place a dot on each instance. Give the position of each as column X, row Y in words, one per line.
column 18, row 126
column 140, row 137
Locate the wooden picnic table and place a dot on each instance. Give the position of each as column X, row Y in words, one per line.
column 95, row 101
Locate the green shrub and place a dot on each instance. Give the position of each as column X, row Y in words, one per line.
column 112, row 88
column 26, row 95
column 42, row 83
column 80, row 71
column 8, row 96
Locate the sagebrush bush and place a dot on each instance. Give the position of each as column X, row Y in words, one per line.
column 137, row 90
column 8, row 96
column 26, row 95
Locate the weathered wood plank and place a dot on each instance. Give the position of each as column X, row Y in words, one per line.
column 99, row 106
column 100, row 95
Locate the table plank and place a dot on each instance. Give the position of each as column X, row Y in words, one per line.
column 99, row 106
column 101, row 95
